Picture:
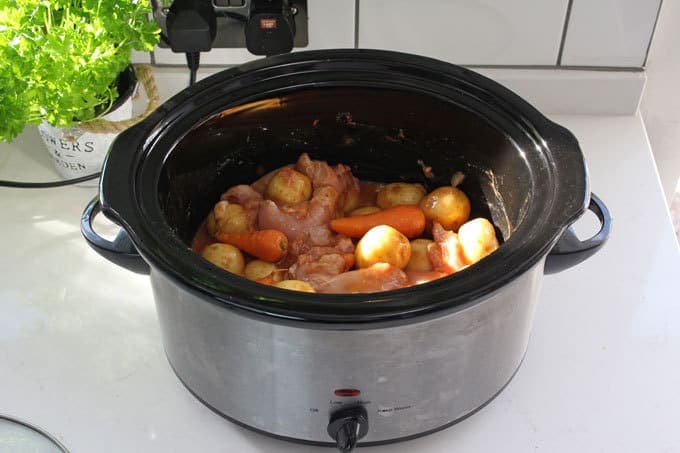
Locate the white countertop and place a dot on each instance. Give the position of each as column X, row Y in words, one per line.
column 81, row 353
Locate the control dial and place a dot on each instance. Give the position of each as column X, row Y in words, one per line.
column 347, row 426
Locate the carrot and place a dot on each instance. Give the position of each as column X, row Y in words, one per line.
column 409, row 220
column 268, row 280
column 268, row 245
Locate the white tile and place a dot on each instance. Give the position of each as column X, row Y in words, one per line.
column 331, row 25
column 170, row 80
column 141, row 57
column 570, row 92
column 488, row 32
column 660, row 111
column 609, row 32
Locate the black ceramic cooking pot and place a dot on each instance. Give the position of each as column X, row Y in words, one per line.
column 305, row 366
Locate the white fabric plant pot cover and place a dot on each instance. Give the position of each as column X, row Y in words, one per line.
column 78, row 153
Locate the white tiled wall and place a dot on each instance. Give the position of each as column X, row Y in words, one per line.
column 476, row 32
column 141, row 57
column 473, row 32
column 609, row 32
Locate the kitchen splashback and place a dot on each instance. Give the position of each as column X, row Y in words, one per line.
column 543, row 33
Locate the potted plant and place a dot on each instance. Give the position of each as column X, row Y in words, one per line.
column 64, row 64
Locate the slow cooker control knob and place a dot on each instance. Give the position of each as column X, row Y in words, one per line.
column 347, row 426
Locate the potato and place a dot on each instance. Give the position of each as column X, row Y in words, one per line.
column 260, row 186
column 289, row 187
column 365, row 210
column 448, row 206
column 399, row 193
column 477, row 239
column 295, row 285
column 225, row 256
column 383, row 244
column 227, row 218
column 351, row 201
column 420, row 260
column 257, row 269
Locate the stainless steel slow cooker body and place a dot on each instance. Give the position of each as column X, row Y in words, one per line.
column 290, row 380
column 333, row 369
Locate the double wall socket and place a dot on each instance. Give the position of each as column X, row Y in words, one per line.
column 232, row 17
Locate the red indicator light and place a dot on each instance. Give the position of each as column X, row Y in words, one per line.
column 347, row 392
column 268, row 24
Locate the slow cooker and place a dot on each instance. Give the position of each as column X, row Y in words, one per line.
column 346, row 369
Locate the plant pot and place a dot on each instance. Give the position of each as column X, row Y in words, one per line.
column 79, row 152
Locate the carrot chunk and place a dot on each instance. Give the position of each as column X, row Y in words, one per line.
column 268, row 245
column 409, row 220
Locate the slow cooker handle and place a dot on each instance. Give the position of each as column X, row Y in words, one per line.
column 570, row 250
column 120, row 251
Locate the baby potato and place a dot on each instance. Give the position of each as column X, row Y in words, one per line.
column 257, row 269
column 365, row 210
column 295, row 285
column 477, row 239
column 383, row 244
column 225, row 256
column 399, row 193
column 289, row 187
column 351, row 201
column 420, row 260
column 448, row 206
column 227, row 218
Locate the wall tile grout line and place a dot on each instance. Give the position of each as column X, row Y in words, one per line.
column 564, row 32
column 356, row 24
column 651, row 37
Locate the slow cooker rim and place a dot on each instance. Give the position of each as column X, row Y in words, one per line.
column 296, row 306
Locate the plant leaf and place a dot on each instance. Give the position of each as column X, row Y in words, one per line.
column 60, row 58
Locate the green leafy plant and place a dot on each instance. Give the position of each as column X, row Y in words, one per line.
column 59, row 59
